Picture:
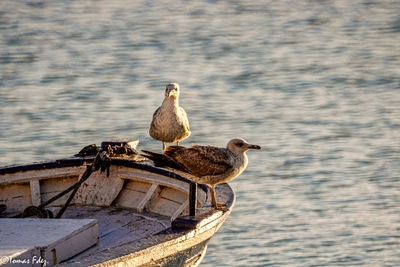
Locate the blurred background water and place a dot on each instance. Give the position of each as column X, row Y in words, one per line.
column 315, row 83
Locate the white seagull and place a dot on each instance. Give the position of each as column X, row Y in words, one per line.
column 206, row 164
column 170, row 123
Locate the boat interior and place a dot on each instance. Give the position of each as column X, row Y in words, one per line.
column 135, row 201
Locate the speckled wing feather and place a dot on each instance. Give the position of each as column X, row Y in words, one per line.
column 200, row 160
column 160, row 160
column 186, row 120
column 153, row 131
column 155, row 114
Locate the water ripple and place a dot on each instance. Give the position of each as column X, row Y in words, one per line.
column 315, row 83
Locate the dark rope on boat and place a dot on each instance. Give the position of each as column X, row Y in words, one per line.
column 38, row 212
column 3, row 208
column 102, row 161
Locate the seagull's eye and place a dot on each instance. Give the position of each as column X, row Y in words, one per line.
column 239, row 144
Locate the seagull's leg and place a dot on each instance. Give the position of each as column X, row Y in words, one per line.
column 177, row 143
column 213, row 200
column 218, row 206
column 163, row 145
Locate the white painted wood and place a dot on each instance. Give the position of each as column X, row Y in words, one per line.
column 35, row 192
column 147, row 251
column 138, row 186
column 41, row 175
column 143, row 176
column 180, row 210
column 132, row 194
column 174, row 195
column 147, row 197
column 23, row 256
column 118, row 226
column 129, row 198
column 164, row 207
column 124, row 239
column 16, row 197
column 99, row 189
column 15, row 189
column 51, row 187
column 57, row 240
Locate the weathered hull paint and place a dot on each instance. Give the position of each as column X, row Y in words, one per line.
column 189, row 257
column 183, row 243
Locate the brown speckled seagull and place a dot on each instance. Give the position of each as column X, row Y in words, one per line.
column 206, row 164
column 170, row 123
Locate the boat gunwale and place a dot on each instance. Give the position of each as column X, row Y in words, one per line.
column 196, row 230
column 186, row 231
column 80, row 161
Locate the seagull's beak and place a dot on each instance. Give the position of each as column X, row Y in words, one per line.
column 253, row 147
column 172, row 92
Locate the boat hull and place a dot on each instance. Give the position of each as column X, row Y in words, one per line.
column 137, row 189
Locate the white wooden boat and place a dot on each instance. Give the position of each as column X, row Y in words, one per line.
column 140, row 215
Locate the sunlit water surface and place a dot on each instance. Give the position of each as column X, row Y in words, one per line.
column 315, row 83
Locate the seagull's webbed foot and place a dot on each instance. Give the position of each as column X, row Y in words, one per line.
column 214, row 203
column 220, row 206
column 163, row 146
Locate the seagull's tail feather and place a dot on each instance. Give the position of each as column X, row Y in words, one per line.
column 154, row 156
column 160, row 160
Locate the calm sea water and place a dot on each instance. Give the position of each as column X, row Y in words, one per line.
column 315, row 83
